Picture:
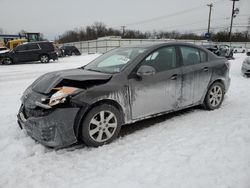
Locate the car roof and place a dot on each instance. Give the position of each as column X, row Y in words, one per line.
column 152, row 45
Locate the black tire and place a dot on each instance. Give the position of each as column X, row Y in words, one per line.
column 214, row 96
column 97, row 131
column 243, row 51
column 7, row 61
column 44, row 58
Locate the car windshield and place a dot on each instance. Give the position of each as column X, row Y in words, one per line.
column 115, row 60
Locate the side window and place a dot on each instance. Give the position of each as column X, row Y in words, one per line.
column 33, row 47
column 190, row 55
column 203, row 56
column 21, row 48
column 162, row 59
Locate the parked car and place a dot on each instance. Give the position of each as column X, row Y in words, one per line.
column 212, row 47
column 33, row 51
column 220, row 50
column 4, row 50
column 69, row 51
column 245, row 69
column 91, row 103
column 58, row 51
column 239, row 49
column 226, row 51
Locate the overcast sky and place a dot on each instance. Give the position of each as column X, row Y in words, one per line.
column 53, row 17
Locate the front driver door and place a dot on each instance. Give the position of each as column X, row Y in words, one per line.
column 161, row 92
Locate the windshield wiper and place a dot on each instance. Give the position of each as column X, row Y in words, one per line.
column 94, row 70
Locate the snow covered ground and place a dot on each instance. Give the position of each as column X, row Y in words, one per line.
column 192, row 149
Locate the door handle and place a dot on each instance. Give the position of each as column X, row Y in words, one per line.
column 205, row 69
column 174, row 77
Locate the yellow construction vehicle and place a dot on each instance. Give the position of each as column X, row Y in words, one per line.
column 13, row 43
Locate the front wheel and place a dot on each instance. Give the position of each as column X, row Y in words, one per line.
column 44, row 58
column 214, row 96
column 101, row 125
column 7, row 61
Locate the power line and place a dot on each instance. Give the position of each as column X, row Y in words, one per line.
column 163, row 17
column 168, row 15
column 193, row 23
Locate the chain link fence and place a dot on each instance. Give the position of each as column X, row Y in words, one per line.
column 105, row 44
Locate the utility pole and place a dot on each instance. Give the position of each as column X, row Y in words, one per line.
column 209, row 17
column 233, row 15
column 123, row 30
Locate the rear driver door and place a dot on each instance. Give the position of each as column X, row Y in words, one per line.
column 196, row 74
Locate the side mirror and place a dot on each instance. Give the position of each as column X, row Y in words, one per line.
column 248, row 53
column 145, row 70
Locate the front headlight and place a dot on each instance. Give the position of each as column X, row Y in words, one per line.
column 61, row 95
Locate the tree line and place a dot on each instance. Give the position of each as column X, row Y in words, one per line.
column 99, row 29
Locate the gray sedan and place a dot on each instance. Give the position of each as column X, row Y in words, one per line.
column 91, row 103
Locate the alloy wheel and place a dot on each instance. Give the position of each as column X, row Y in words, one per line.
column 44, row 59
column 102, row 126
column 215, row 96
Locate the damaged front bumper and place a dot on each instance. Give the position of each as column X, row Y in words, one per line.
column 52, row 128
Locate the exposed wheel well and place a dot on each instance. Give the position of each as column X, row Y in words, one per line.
column 82, row 114
column 220, row 81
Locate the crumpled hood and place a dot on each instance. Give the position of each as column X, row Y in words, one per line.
column 46, row 82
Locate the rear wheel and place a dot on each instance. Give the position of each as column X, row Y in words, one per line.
column 7, row 61
column 214, row 96
column 44, row 58
column 101, row 125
